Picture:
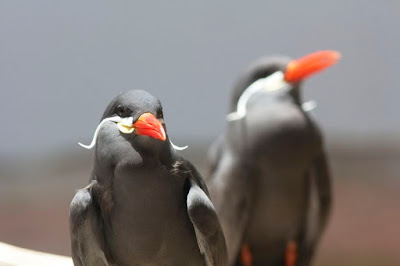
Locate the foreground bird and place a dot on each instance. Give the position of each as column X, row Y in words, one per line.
column 267, row 174
column 145, row 204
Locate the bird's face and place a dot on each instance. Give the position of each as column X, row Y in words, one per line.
column 145, row 123
column 132, row 119
column 298, row 70
column 282, row 82
column 139, row 118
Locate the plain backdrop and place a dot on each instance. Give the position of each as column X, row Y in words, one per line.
column 61, row 62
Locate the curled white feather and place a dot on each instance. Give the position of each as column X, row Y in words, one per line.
column 309, row 106
column 125, row 121
column 177, row 147
column 96, row 132
column 270, row 83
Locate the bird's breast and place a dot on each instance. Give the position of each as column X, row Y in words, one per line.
column 149, row 217
column 280, row 131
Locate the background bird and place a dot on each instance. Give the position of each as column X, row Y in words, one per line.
column 145, row 204
column 267, row 173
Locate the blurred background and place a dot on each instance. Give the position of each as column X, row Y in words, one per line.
column 61, row 62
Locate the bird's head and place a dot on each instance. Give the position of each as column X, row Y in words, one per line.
column 134, row 118
column 276, row 74
column 139, row 115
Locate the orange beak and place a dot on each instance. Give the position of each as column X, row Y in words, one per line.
column 298, row 70
column 148, row 125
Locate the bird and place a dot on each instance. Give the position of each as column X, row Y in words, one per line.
column 144, row 204
column 268, row 173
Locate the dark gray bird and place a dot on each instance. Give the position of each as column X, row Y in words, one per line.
column 145, row 204
column 267, row 174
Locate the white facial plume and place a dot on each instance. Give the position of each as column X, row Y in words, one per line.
column 273, row 82
column 125, row 126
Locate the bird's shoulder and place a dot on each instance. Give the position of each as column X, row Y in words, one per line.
column 81, row 204
column 85, row 205
column 213, row 156
column 184, row 168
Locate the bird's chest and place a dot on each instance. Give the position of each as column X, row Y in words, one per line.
column 149, row 207
column 282, row 133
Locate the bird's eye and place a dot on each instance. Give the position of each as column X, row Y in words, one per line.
column 120, row 110
column 160, row 114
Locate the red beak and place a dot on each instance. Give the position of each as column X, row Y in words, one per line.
column 300, row 69
column 148, row 125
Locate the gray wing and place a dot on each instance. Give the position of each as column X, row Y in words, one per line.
column 85, row 230
column 210, row 237
column 320, row 207
column 233, row 189
column 324, row 189
column 214, row 156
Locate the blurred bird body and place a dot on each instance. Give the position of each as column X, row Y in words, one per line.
column 267, row 168
column 145, row 204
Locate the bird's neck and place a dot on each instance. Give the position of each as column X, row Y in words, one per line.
column 105, row 164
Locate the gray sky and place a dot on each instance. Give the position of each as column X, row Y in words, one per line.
column 61, row 62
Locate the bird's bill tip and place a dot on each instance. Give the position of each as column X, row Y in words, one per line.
column 299, row 69
column 148, row 125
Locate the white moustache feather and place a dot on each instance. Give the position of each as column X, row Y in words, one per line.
column 128, row 121
column 115, row 119
column 273, row 82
